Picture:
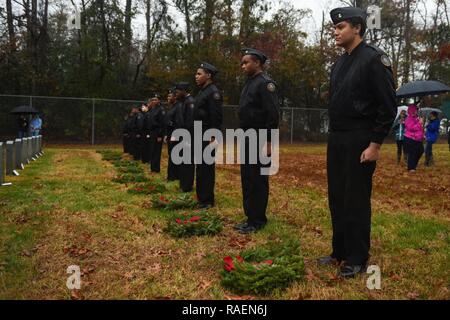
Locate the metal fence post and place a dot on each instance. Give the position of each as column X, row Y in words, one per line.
column 93, row 123
column 9, row 158
column 18, row 157
column 30, row 148
column 23, row 153
column 2, row 172
column 292, row 125
column 27, row 150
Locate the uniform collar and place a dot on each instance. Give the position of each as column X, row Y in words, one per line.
column 208, row 85
column 256, row 75
column 357, row 48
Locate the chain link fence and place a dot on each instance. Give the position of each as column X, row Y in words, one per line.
column 99, row 121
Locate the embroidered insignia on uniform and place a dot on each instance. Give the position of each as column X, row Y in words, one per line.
column 385, row 60
column 271, row 87
column 217, row 96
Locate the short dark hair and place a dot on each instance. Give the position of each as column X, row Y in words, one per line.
column 358, row 21
column 434, row 113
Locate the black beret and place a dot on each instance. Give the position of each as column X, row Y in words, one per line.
column 341, row 14
column 182, row 86
column 209, row 67
column 261, row 56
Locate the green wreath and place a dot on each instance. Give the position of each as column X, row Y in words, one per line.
column 130, row 178
column 262, row 270
column 199, row 223
column 147, row 188
column 171, row 203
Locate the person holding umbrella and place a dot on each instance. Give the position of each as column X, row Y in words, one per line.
column 413, row 138
column 22, row 123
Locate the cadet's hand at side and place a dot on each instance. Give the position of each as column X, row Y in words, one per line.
column 371, row 154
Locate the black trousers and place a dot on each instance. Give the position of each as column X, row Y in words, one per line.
column 172, row 168
column 349, row 195
column 415, row 150
column 137, row 147
column 146, row 149
column 126, row 143
column 255, row 190
column 205, row 179
column 186, row 172
column 155, row 153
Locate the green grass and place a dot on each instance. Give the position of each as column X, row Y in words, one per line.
column 64, row 209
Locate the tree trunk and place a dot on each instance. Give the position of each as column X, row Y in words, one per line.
column 9, row 18
column 209, row 15
column 245, row 18
column 187, row 19
column 407, row 53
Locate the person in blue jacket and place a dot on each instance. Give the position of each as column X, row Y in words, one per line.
column 432, row 136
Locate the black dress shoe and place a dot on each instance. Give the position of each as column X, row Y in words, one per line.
column 205, row 206
column 248, row 229
column 328, row 261
column 350, row 271
column 251, row 228
column 241, row 225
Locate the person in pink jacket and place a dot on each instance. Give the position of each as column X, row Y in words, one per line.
column 414, row 136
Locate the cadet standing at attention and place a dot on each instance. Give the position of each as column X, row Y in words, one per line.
column 136, row 122
column 156, row 124
column 208, row 110
column 126, row 130
column 186, row 171
column 258, row 109
column 171, row 126
column 362, row 110
column 145, row 145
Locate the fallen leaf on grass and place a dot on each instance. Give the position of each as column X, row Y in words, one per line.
column 412, row 295
column 76, row 295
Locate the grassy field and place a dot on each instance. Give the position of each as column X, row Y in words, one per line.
column 64, row 210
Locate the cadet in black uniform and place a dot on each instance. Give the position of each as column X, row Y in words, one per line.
column 258, row 109
column 362, row 110
column 185, row 119
column 134, row 134
column 145, row 131
column 126, row 130
column 208, row 110
column 157, row 129
column 171, row 125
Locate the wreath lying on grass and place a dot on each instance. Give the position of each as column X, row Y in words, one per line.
column 130, row 169
column 185, row 201
column 130, row 178
column 262, row 270
column 126, row 164
column 147, row 188
column 200, row 223
column 110, row 155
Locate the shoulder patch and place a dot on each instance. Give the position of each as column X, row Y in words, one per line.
column 386, row 61
column 271, row 87
column 217, row 96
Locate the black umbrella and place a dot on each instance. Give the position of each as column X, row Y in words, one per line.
column 421, row 89
column 24, row 110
